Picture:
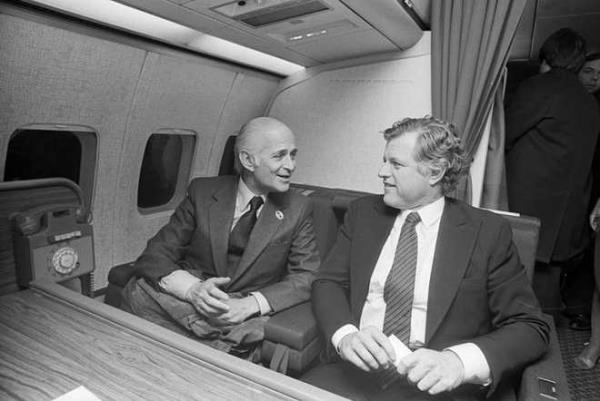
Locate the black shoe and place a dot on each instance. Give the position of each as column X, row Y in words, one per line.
column 580, row 322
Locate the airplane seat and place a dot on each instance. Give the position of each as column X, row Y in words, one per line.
column 525, row 230
column 118, row 276
column 227, row 165
column 45, row 232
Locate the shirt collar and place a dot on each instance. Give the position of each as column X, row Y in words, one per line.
column 430, row 214
column 244, row 195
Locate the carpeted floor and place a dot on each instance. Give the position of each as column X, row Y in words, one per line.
column 584, row 385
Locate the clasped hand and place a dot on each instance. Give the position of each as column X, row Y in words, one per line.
column 221, row 309
column 432, row 371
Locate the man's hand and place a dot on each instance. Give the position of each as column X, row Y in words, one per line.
column 368, row 349
column 240, row 309
column 433, row 371
column 208, row 299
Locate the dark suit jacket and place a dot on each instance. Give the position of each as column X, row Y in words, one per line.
column 478, row 290
column 281, row 256
column 552, row 124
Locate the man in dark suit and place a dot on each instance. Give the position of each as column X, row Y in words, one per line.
column 235, row 250
column 552, row 126
column 431, row 272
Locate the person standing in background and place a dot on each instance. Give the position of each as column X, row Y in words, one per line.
column 552, row 125
column 587, row 359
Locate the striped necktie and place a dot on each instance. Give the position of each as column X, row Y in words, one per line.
column 398, row 290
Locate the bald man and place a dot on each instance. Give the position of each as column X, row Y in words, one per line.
column 237, row 249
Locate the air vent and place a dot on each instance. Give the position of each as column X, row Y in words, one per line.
column 260, row 13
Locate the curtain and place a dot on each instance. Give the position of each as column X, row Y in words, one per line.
column 494, row 195
column 469, row 48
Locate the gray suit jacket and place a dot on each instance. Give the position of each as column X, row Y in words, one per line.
column 281, row 256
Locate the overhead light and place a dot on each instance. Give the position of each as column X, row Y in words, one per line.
column 140, row 22
column 307, row 35
column 331, row 28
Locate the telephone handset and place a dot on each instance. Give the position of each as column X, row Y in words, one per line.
column 32, row 220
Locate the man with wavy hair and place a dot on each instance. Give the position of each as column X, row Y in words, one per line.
column 419, row 268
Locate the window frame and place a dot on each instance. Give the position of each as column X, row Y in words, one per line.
column 184, row 171
column 89, row 153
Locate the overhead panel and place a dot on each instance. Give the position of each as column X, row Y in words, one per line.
column 389, row 19
column 308, row 32
column 257, row 15
column 317, row 29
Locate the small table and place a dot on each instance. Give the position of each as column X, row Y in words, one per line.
column 53, row 340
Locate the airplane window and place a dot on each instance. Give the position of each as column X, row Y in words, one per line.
column 47, row 150
column 165, row 169
column 42, row 154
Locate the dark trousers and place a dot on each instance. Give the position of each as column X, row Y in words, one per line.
column 577, row 284
column 565, row 286
column 347, row 381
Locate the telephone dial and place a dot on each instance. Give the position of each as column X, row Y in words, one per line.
column 54, row 242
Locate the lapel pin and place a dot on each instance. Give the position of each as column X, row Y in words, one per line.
column 279, row 215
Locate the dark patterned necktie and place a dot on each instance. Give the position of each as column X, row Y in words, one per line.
column 398, row 290
column 238, row 238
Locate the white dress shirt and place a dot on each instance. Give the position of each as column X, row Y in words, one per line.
column 477, row 370
column 179, row 282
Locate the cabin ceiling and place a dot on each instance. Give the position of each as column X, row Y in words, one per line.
column 306, row 32
column 313, row 32
column 357, row 27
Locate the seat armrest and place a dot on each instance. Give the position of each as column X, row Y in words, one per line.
column 118, row 277
column 291, row 344
column 120, row 274
column 546, row 376
column 295, row 327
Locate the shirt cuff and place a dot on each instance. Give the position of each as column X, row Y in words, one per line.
column 263, row 304
column 477, row 370
column 178, row 283
column 340, row 333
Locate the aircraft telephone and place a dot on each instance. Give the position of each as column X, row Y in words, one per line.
column 55, row 242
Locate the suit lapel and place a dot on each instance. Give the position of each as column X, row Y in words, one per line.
column 220, row 218
column 456, row 239
column 261, row 234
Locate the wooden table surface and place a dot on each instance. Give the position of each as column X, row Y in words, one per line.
column 53, row 340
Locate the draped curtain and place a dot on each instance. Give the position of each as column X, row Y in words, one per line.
column 494, row 195
column 469, row 49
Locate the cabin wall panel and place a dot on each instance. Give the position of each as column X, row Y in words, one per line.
column 248, row 98
column 51, row 75
column 172, row 93
column 339, row 114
